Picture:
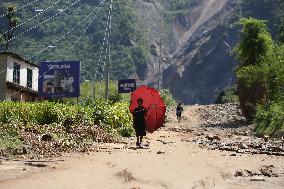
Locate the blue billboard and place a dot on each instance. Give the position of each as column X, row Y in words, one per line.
column 59, row 79
column 126, row 86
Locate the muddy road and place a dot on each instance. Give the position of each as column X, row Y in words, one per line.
column 179, row 156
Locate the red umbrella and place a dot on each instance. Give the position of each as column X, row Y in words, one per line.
column 154, row 103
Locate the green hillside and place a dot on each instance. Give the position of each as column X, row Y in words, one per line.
column 128, row 47
column 130, row 51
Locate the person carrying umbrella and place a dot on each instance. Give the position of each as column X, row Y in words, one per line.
column 139, row 123
column 179, row 111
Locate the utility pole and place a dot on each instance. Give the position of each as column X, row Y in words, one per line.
column 109, row 55
column 159, row 73
column 94, row 82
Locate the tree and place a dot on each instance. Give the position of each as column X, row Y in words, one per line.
column 10, row 26
column 280, row 35
column 255, row 43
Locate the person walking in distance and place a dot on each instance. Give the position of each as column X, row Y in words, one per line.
column 179, row 111
column 139, row 123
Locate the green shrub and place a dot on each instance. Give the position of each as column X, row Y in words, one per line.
column 227, row 96
column 43, row 113
column 110, row 115
column 9, row 136
column 116, row 115
column 270, row 118
column 167, row 97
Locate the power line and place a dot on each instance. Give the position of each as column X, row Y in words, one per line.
column 66, row 34
column 21, row 7
column 100, row 55
column 107, row 33
column 40, row 23
column 33, row 17
column 100, row 4
column 107, row 36
column 86, row 28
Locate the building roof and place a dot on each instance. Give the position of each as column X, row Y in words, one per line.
column 19, row 57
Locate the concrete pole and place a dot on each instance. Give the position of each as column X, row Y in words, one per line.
column 159, row 73
column 94, row 82
column 109, row 56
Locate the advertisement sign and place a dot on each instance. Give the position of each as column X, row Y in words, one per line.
column 126, row 86
column 59, row 79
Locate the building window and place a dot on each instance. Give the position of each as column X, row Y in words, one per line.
column 16, row 73
column 29, row 78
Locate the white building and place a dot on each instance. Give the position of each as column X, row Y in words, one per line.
column 18, row 78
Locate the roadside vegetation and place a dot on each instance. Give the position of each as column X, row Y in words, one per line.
column 46, row 128
column 228, row 96
column 261, row 76
column 167, row 98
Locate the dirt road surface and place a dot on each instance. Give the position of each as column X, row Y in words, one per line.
column 168, row 161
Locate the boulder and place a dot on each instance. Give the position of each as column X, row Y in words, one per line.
column 46, row 137
column 209, row 136
column 243, row 146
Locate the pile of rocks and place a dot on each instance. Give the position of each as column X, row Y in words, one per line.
column 222, row 115
column 238, row 140
column 266, row 171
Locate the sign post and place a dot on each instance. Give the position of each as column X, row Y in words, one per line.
column 126, row 86
column 59, row 79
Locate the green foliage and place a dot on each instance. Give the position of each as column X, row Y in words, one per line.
column 227, row 96
column 255, row 41
column 9, row 136
column 43, row 113
column 129, row 49
column 270, row 118
column 280, row 34
column 87, row 96
column 9, row 26
column 251, row 75
column 262, row 66
column 273, row 67
column 112, row 116
column 174, row 8
column 167, row 97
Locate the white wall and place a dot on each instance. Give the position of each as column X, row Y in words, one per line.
column 23, row 72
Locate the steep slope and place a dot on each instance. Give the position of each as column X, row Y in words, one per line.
column 210, row 8
column 152, row 23
column 202, row 64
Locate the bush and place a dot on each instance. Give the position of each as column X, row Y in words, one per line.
column 227, row 96
column 116, row 116
column 43, row 113
column 110, row 115
column 167, row 97
column 270, row 119
column 9, row 136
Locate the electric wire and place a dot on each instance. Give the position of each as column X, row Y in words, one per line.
column 86, row 28
column 100, row 4
column 21, row 7
column 19, row 35
column 66, row 34
column 22, row 23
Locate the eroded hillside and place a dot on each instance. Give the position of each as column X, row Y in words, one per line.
column 197, row 59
